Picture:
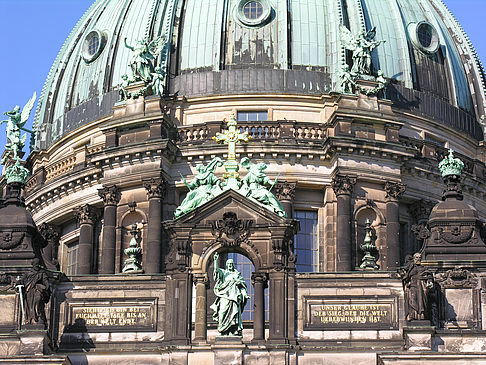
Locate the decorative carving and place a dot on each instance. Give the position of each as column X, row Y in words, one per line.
column 132, row 206
column 419, row 288
column 394, row 191
column 49, row 233
column 16, row 173
column 6, row 281
column 260, row 277
column 455, row 233
column 34, row 288
column 368, row 247
column 420, row 231
column 85, row 214
column 134, row 251
column 285, row 190
column 110, row 194
column 231, row 231
column 156, row 188
column 343, row 185
column 457, row 278
column 11, row 239
column 420, row 210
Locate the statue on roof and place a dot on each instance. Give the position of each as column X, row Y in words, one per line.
column 202, row 189
column 254, row 186
column 362, row 46
column 15, row 123
column 145, row 54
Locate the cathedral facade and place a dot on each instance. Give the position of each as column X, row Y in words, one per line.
column 332, row 151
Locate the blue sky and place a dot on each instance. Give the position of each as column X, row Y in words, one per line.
column 33, row 31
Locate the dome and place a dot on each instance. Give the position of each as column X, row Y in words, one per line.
column 265, row 47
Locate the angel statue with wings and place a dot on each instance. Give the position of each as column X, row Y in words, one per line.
column 144, row 57
column 15, row 123
column 362, row 46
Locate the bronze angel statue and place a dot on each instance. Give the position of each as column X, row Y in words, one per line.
column 15, row 123
column 362, row 46
column 144, row 56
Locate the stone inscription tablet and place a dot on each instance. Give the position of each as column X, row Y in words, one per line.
column 327, row 313
column 113, row 316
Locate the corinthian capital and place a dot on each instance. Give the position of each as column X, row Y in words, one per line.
column 156, row 188
column 85, row 214
column 110, row 194
column 343, row 184
column 393, row 190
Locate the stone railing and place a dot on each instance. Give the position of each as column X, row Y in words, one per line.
column 258, row 131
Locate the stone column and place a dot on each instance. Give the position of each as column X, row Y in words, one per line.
column 200, row 325
column 285, row 193
column 260, row 283
column 278, row 324
column 111, row 197
column 343, row 187
column 49, row 253
column 86, row 217
column 156, row 190
column 393, row 192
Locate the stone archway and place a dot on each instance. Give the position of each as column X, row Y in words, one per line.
column 261, row 235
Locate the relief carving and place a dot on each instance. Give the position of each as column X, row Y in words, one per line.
column 231, row 231
column 11, row 239
column 342, row 184
column 110, row 194
column 457, row 278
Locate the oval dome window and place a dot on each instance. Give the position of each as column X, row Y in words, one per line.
column 253, row 12
column 424, row 37
column 93, row 45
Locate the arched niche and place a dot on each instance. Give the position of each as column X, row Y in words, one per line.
column 363, row 213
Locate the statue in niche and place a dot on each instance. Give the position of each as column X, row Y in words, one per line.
column 15, row 123
column 231, row 297
column 420, row 290
column 362, row 46
column 203, row 188
column 254, row 186
column 36, row 293
column 144, row 55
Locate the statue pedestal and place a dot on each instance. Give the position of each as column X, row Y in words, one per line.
column 228, row 350
column 418, row 335
column 33, row 341
column 229, row 340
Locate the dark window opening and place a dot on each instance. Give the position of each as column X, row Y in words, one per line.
column 306, row 242
column 253, row 10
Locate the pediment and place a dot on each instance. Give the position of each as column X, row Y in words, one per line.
column 233, row 201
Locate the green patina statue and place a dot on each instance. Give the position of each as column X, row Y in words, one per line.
column 203, row 188
column 144, row 55
column 362, row 46
column 15, row 123
column 231, row 297
column 451, row 165
column 254, row 186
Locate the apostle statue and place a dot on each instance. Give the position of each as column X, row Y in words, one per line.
column 418, row 282
column 231, row 298
column 36, row 293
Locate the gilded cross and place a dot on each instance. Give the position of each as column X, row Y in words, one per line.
column 231, row 137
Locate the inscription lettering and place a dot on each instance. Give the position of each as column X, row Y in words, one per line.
column 113, row 316
column 352, row 314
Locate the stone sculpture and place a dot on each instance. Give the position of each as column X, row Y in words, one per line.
column 254, row 186
column 231, row 297
column 36, row 293
column 417, row 283
column 203, row 188
column 362, row 46
column 15, row 123
column 347, row 80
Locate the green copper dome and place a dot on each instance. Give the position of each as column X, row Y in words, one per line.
column 265, row 46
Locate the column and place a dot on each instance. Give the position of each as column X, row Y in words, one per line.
column 259, row 283
column 111, row 197
column 86, row 217
column 156, row 190
column 343, row 187
column 49, row 253
column 393, row 192
column 278, row 307
column 285, row 193
column 200, row 326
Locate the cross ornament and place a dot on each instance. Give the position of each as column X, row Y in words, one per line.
column 231, row 137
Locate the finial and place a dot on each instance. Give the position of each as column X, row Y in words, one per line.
column 16, row 173
column 451, row 165
column 132, row 264
column 369, row 261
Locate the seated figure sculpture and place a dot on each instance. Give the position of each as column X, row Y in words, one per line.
column 254, row 186
column 203, row 188
column 231, row 297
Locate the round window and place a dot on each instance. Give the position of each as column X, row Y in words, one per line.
column 253, row 13
column 93, row 45
column 424, row 37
